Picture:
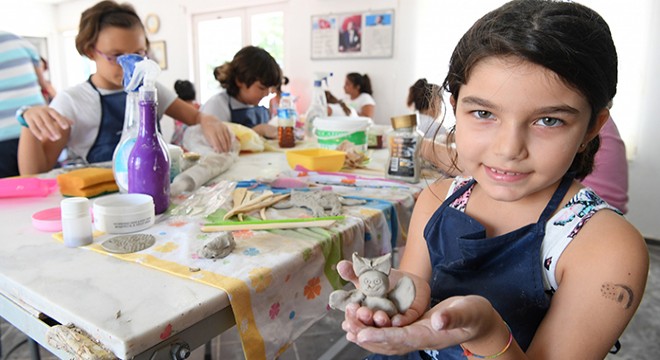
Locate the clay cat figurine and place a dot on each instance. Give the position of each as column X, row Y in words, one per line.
column 374, row 291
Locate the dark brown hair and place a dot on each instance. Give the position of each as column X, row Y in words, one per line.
column 361, row 81
column 185, row 90
column 568, row 39
column 250, row 64
column 424, row 96
column 104, row 14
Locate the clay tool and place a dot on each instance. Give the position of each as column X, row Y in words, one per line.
column 271, row 224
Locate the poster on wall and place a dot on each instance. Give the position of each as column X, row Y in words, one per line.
column 353, row 35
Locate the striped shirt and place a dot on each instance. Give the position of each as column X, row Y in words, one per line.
column 19, row 85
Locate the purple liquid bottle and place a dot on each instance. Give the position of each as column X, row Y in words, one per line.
column 149, row 163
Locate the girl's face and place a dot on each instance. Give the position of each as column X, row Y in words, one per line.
column 518, row 127
column 111, row 43
column 351, row 89
column 251, row 95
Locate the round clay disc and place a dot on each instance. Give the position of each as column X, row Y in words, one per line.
column 126, row 244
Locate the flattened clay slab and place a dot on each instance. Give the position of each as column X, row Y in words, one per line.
column 126, row 244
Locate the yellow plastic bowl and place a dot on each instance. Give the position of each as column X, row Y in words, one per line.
column 316, row 159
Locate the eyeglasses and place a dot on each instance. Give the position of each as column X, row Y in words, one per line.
column 113, row 58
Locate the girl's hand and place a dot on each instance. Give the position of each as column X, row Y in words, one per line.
column 46, row 123
column 380, row 318
column 216, row 133
column 454, row 321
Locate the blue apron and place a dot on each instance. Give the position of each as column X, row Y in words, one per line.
column 505, row 269
column 249, row 116
column 113, row 107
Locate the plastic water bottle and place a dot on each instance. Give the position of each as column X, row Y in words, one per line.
column 286, row 121
column 317, row 109
column 131, row 120
column 126, row 143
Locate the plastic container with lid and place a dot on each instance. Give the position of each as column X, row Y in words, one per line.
column 124, row 213
column 404, row 145
column 331, row 132
column 76, row 222
column 49, row 220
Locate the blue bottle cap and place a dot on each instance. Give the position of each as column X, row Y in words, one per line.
column 127, row 62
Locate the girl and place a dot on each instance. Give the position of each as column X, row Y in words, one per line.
column 358, row 89
column 246, row 79
column 520, row 261
column 426, row 99
column 88, row 118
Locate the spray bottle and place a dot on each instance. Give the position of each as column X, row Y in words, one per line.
column 149, row 162
column 318, row 107
column 129, row 133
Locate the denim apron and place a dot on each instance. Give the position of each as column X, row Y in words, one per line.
column 249, row 116
column 113, row 107
column 505, row 269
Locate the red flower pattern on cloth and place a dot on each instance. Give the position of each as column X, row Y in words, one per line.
column 313, row 288
column 274, row 310
column 167, row 332
column 177, row 223
column 242, row 234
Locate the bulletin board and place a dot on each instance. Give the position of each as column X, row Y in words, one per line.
column 367, row 34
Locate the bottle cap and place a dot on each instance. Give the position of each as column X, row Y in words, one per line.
column 127, row 62
column 75, row 207
column 404, row 121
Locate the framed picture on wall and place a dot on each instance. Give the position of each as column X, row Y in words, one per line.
column 158, row 53
column 41, row 43
column 353, row 35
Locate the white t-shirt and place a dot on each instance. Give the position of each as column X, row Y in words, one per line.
column 337, row 110
column 216, row 105
column 360, row 101
column 429, row 127
column 82, row 104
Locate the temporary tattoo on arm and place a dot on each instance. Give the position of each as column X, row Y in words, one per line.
column 620, row 293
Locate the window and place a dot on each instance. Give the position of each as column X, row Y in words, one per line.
column 77, row 68
column 219, row 35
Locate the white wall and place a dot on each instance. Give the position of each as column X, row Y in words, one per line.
column 425, row 34
column 41, row 23
column 645, row 167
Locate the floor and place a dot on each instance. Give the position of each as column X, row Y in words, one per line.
column 639, row 341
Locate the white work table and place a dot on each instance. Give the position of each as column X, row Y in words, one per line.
column 125, row 306
column 118, row 303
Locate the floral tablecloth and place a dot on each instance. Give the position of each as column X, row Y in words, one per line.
column 278, row 281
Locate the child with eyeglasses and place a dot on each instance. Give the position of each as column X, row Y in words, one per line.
column 88, row 118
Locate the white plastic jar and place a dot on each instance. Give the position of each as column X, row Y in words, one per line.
column 76, row 222
column 124, row 213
